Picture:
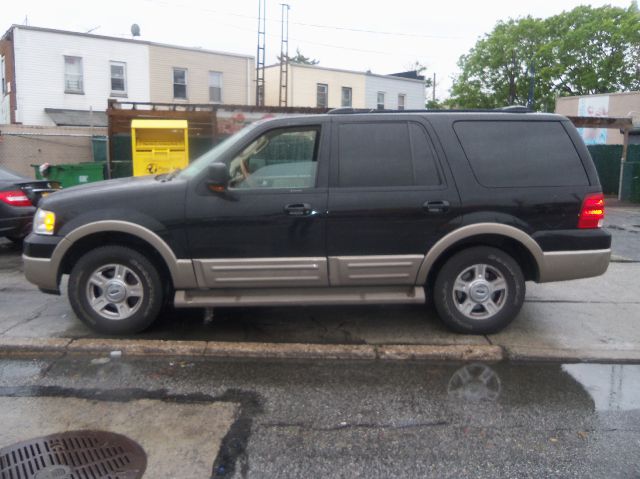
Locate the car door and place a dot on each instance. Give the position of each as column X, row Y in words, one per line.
column 268, row 229
column 390, row 199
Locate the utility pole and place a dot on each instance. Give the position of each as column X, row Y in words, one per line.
column 261, row 53
column 284, row 55
column 433, row 86
column 532, row 85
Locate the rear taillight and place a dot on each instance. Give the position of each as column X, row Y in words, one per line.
column 15, row 198
column 592, row 212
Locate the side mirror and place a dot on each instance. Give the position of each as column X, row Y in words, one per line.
column 218, row 177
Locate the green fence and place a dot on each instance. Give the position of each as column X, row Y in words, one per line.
column 607, row 161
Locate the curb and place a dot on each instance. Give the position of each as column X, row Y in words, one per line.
column 215, row 349
column 524, row 353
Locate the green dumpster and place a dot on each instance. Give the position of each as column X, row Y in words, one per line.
column 72, row 174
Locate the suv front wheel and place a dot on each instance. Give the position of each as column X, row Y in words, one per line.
column 115, row 290
column 479, row 290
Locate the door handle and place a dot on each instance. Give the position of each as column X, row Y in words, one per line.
column 298, row 209
column 440, row 206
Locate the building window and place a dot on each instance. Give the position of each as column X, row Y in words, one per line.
column 215, row 87
column 346, row 96
column 380, row 100
column 73, row 75
column 118, row 78
column 401, row 99
column 322, row 94
column 180, row 83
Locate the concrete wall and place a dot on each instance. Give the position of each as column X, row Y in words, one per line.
column 238, row 75
column 392, row 87
column 21, row 146
column 303, row 81
column 39, row 64
column 620, row 105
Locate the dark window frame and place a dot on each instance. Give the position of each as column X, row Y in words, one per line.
column 212, row 88
column 342, row 98
column 319, row 104
column 185, row 84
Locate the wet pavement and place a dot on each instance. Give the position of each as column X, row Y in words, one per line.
column 339, row 419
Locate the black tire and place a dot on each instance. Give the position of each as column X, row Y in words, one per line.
column 140, row 275
column 495, row 292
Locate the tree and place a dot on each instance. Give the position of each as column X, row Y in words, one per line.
column 300, row 59
column 587, row 50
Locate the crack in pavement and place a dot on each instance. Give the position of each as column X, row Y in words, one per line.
column 343, row 426
column 35, row 315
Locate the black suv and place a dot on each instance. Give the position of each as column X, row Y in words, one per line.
column 359, row 208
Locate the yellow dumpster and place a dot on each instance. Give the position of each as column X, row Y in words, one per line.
column 159, row 146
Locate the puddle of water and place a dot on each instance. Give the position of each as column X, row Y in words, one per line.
column 613, row 387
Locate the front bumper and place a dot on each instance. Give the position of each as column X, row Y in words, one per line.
column 41, row 272
column 41, row 265
column 565, row 265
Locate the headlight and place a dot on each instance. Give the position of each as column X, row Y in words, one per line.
column 44, row 222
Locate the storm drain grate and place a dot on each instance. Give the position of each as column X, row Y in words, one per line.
column 74, row 455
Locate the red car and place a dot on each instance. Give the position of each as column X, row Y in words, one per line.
column 19, row 197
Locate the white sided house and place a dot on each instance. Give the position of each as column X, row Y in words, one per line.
column 63, row 72
column 54, row 77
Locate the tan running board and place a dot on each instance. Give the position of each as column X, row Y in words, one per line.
column 299, row 296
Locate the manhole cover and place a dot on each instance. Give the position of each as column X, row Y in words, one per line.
column 74, row 455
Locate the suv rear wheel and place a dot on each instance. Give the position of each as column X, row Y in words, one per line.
column 115, row 290
column 479, row 290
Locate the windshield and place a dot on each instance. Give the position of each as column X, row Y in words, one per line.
column 216, row 152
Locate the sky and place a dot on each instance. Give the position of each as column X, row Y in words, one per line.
column 384, row 37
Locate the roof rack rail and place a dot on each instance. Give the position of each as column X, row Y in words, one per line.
column 506, row 109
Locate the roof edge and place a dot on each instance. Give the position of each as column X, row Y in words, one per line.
column 127, row 40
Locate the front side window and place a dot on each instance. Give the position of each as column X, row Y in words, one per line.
column 215, row 87
column 346, row 96
column 401, row 99
column 73, row 75
column 322, row 94
column 282, row 158
column 118, row 77
column 380, row 100
column 180, row 83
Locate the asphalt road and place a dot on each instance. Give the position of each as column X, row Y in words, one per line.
column 338, row 419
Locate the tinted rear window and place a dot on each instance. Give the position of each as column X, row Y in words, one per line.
column 386, row 154
column 521, row 153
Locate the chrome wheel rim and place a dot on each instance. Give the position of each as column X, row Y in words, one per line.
column 480, row 291
column 115, row 291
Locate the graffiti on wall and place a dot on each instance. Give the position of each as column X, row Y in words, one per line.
column 594, row 106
